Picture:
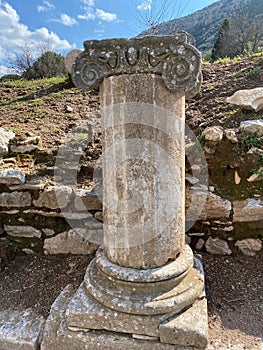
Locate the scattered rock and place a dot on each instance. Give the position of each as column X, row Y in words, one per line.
column 252, row 126
column 5, row 137
column 28, row 145
column 217, row 246
column 254, row 177
column 237, row 178
column 48, row 232
column 256, row 151
column 54, row 197
column 231, row 135
column 203, row 205
column 68, row 109
column 15, row 199
column 22, row 231
column 20, row 330
column 214, row 133
column 248, row 210
column 191, row 180
column 249, row 246
column 99, row 216
column 250, row 99
column 12, row 177
column 200, row 243
column 69, row 243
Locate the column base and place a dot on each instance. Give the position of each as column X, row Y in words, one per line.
column 82, row 322
column 190, row 328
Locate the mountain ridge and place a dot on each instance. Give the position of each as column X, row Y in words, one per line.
column 205, row 24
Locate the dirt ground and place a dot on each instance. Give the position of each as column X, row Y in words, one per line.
column 234, row 286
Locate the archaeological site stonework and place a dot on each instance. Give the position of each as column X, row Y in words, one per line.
column 144, row 289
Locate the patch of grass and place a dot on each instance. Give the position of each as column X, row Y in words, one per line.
column 223, row 60
column 202, row 140
column 233, row 111
column 259, row 172
column 255, row 73
column 251, row 140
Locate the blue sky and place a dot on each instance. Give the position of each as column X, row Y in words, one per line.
column 67, row 23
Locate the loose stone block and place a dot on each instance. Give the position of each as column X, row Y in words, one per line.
column 20, row 330
column 249, row 98
column 87, row 200
column 217, row 246
column 205, row 205
column 15, row 199
column 252, row 126
column 12, row 177
column 54, row 197
column 189, row 328
column 5, row 137
column 22, row 231
column 69, row 242
column 249, row 246
column 214, row 133
column 248, row 210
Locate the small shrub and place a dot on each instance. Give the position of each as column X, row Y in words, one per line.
column 255, row 73
column 251, row 140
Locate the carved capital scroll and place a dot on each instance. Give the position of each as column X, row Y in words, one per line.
column 173, row 57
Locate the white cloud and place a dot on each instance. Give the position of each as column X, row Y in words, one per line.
column 46, row 6
column 66, row 20
column 106, row 16
column 13, row 33
column 5, row 70
column 89, row 14
column 145, row 5
column 88, row 2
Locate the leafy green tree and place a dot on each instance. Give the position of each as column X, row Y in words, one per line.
column 238, row 35
column 48, row 65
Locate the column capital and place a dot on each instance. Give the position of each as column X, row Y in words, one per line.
column 173, row 57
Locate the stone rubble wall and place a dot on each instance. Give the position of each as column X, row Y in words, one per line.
column 48, row 216
column 54, row 218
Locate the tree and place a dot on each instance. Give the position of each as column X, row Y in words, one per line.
column 34, row 61
column 238, row 35
column 48, row 65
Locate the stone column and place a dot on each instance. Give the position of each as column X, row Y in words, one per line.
column 143, row 282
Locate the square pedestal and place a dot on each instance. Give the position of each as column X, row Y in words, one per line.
column 189, row 329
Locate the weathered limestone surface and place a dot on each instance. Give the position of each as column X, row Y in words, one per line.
column 54, row 197
column 249, row 246
column 217, row 246
column 249, row 98
column 214, row 133
column 12, row 177
column 5, row 137
column 70, row 242
column 144, row 273
column 87, row 200
column 20, row 330
column 56, row 335
column 152, row 139
column 22, row 231
column 251, row 126
column 190, row 327
column 15, row 199
column 214, row 207
column 171, row 56
column 248, row 210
